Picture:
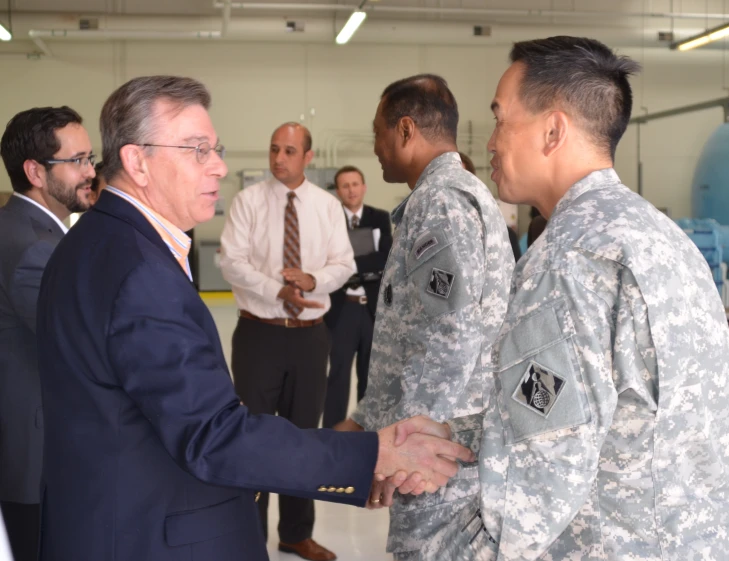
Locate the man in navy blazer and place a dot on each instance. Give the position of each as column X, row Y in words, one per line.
column 47, row 154
column 148, row 453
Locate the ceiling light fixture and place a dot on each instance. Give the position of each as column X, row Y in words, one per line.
column 5, row 35
column 353, row 23
column 702, row 39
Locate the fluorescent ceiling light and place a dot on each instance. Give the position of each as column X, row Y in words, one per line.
column 702, row 39
column 353, row 23
column 5, row 35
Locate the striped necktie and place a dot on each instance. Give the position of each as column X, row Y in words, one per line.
column 292, row 247
column 355, row 221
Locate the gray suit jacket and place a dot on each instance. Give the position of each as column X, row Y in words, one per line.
column 28, row 236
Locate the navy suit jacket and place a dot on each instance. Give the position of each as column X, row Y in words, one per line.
column 373, row 263
column 148, row 452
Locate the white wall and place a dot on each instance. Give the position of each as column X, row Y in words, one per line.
column 256, row 86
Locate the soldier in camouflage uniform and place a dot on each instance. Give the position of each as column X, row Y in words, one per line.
column 606, row 435
column 444, row 290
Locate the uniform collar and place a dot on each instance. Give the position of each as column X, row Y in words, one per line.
column 445, row 159
column 595, row 180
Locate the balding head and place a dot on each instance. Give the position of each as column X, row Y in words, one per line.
column 426, row 99
column 290, row 153
column 300, row 130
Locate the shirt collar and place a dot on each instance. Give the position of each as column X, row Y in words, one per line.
column 61, row 225
column 595, row 180
column 350, row 214
column 445, row 159
column 177, row 241
column 282, row 192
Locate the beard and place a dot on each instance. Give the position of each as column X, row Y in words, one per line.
column 70, row 197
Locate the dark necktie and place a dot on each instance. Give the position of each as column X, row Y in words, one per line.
column 292, row 247
column 355, row 221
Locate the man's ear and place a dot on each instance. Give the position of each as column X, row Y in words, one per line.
column 35, row 172
column 406, row 129
column 134, row 164
column 308, row 157
column 557, row 127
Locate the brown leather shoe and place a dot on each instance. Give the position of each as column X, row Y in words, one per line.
column 307, row 549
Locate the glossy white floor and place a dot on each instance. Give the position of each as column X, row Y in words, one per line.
column 354, row 534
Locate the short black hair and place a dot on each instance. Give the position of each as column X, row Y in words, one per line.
column 31, row 135
column 586, row 76
column 426, row 99
column 347, row 169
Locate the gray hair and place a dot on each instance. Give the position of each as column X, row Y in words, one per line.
column 128, row 116
column 584, row 75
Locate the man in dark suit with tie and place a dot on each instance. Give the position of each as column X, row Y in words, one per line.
column 149, row 453
column 352, row 315
column 47, row 154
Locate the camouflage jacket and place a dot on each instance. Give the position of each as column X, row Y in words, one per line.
column 607, row 435
column 443, row 297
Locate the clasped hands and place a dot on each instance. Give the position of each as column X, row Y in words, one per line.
column 415, row 456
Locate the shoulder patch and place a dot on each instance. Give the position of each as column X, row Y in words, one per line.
column 425, row 246
column 538, row 389
column 440, row 283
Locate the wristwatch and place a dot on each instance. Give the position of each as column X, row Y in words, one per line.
column 313, row 278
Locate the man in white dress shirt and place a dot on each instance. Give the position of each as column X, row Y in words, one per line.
column 47, row 154
column 284, row 249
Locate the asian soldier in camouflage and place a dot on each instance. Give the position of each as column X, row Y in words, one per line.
column 444, row 290
column 606, row 434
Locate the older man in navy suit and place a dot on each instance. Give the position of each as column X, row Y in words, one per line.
column 47, row 154
column 149, row 453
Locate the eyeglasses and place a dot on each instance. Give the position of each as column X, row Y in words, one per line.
column 81, row 161
column 202, row 150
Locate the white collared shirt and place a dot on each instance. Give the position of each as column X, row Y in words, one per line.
column 252, row 246
column 44, row 209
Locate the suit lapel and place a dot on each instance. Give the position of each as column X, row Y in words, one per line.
column 17, row 205
column 115, row 206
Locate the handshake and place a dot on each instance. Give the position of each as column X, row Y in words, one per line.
column 415, row 456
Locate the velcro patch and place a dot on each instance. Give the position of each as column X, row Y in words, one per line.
column 538, row 389
column 425, row 246
column 440, row 283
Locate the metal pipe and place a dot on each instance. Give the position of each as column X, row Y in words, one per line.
column 42, row 46
column 721, row 102
column 117, row 34
column 226, row 18
column 303, row 7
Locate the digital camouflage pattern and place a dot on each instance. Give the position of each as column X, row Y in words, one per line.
column 443, row 298
column 630, row 463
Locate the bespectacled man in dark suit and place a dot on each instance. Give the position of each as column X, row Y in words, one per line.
column 47, row 154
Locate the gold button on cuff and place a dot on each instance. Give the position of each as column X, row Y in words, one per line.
column 349, row 490
column 340, row 490
column 322, row 489
column 332, row 489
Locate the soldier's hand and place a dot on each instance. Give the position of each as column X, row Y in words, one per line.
column 348, row 425
column 421, row 424
column 290, row 293
column 433, row 457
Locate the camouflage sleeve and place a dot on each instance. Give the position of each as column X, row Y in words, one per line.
column 445, row 276
column 467, row 431
column 557, row 398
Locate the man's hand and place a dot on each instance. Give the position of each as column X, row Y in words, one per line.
column 433, row 457
column 299, row 279
column 348, row 425
column 290, row 293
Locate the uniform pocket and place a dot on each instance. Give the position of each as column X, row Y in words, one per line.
column 540, row 383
